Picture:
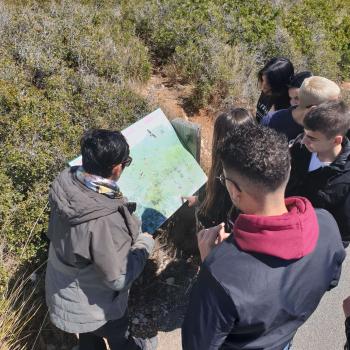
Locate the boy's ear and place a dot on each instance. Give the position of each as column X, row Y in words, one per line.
column 117, row 170
column 338, row 140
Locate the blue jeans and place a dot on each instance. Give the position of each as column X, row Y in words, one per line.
column 288, row 346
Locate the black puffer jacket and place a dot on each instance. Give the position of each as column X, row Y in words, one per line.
column 327, row 187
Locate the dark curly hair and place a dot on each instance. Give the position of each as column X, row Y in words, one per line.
column 257, row 153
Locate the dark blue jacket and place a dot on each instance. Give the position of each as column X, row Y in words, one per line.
column 245, row 300
column 283, row 122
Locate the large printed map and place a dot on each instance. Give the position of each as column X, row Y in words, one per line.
column 161, row 172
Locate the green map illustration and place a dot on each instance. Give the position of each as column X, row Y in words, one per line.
column 161, row 172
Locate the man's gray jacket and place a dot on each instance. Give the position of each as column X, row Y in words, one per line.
column 96, row 252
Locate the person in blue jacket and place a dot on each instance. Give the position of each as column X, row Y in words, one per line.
column 258, row 284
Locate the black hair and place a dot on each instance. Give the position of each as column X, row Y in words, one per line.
column 102, row 150
column 257, row 153
column 278, row 72
column 330, row 118
column 298, row 79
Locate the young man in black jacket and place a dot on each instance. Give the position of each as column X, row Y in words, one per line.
column 321, row 163
column 262, row 282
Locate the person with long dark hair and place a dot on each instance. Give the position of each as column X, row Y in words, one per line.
column 273, row 79
column 215, row 203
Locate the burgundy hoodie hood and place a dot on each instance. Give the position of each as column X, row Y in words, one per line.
column 288, row 236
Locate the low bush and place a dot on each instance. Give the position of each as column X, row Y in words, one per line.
column 191, row 35
column 64, row 67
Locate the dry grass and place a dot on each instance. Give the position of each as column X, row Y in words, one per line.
column 18, row 307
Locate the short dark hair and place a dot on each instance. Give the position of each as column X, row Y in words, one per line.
column 102, row 150
column 330, row 118
column 298, row 79
column 257, row 153
column 279, row 72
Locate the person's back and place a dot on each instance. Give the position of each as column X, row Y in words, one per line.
column 321, row 162
column 260, row 284
column 96, row 247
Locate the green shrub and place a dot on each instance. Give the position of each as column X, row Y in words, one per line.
column 177, row 23
column 217, row 70
column 313, row 34
column 320, row 29
column 64, row 67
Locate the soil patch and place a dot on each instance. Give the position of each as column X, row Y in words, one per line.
column 171, row 97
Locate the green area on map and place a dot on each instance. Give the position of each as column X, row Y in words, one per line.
column 161, row 172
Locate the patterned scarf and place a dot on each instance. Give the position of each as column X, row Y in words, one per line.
column 99, row 184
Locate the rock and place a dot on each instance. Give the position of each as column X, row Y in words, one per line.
column 135, row 320
column 33, row 277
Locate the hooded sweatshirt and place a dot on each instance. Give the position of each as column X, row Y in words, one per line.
column 257, row 287
column 96, row 251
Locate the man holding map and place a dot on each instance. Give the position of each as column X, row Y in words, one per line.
column 96, row 247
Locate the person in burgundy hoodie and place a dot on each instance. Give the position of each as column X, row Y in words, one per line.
column 260, row 283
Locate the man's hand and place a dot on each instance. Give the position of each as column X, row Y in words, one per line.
column 346, row 307
column 191, row 200
column 208, row 238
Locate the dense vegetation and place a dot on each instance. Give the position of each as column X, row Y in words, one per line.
column 217, row 45
column 69, row 65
